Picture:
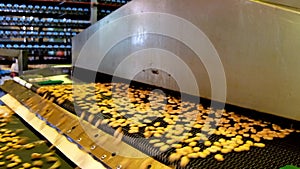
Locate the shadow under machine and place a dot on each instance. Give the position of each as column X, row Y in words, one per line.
column 150, row 83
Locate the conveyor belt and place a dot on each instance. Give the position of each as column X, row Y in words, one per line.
column 74, row 129
column 17, row 139
column 160, row 126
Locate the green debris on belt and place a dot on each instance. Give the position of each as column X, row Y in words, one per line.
column 50, row 82
column 289, row 167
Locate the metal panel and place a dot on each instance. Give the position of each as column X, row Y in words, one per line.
column 10, row 52
column 258, row 46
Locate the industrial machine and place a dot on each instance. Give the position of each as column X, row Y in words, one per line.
column 175, row 84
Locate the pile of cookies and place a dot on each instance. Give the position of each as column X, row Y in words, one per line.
column 12, row 144
column 166, row 121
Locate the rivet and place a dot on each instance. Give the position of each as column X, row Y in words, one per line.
column 93, row 147
column 103, row 157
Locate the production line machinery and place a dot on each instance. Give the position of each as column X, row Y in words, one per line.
column 137, row 78
column 125, row 126
column 41, row 113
